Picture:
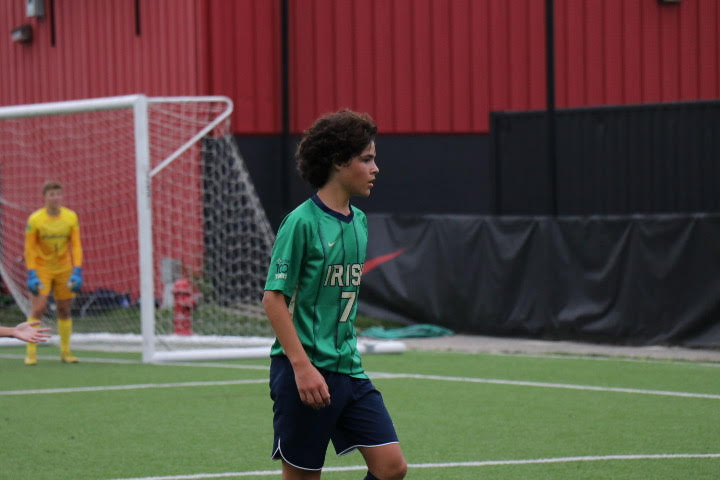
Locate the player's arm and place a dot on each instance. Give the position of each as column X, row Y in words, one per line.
column 27, row 332
column 31, row 246
column 76, row 280
column 283, row 274
column 77, row 252
column 311, row 385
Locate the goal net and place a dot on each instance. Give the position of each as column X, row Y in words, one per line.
column 168, row 217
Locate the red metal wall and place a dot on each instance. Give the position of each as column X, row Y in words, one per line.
column 440, row 66
column 418, row 66
column 97, row 53
column 244, row 39
column 623, row 52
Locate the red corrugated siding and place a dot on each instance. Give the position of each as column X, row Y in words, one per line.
column 186, row 47
column 709, row 53
column 418, row 66
column 97, row 53
column 620, row 52
column 441, row 66
column 244, row 45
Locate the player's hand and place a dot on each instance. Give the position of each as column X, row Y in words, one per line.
column 311, row 386
column 76, row 281
column 33, row 282
column 29, row 332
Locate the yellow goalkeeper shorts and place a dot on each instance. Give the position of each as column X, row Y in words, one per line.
column 55, row 282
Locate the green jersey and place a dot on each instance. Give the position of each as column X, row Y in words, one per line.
column 317, row 262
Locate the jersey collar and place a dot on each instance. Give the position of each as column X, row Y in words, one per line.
column 330, row 211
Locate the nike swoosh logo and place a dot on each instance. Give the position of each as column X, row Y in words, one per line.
column 330, row 244
column 377, row 261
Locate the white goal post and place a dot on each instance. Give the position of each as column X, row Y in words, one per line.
column 175, row 240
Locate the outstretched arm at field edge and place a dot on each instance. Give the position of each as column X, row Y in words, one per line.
column 27, row 332
column 310, row 383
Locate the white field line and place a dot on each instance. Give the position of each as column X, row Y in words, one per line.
column 138, row 362
column 552, row 356
column 374, row 375
column 486, row 463
column 139, row 386
column 601, row 358
column 567, row 386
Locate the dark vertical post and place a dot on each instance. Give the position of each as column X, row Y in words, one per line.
column 494, row 164
column 285, row 136
column 550, row 112
column 137, row 18
column 52, row 23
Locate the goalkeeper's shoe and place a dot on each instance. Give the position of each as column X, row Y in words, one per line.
column 68, row 358
column 31, row 354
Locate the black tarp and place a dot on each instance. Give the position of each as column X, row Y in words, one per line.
column 636, row 280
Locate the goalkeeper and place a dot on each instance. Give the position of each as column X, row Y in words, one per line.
column 53, row 256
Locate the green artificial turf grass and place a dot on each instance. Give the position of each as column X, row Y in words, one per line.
column 186, row 430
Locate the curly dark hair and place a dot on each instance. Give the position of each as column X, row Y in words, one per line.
column 334, row 138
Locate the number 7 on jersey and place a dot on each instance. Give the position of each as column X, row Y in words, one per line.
column 350, row 296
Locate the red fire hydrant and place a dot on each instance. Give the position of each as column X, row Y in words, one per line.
column 184, row 305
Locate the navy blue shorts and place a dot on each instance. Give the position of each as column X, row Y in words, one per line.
column 356, row 417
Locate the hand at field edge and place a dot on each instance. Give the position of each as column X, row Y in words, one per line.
column 30, row 332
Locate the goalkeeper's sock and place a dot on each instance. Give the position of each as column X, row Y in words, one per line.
column 65, row 330
column 31, row 349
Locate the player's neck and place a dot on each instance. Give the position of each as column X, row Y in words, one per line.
column 335, row 197
column 53, row 211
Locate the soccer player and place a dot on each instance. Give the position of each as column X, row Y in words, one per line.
column 317, row 382
column 27, row 332
column 53, row 257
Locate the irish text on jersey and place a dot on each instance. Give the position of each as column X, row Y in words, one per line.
column 339, row 275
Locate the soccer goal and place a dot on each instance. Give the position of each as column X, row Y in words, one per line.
column 176, row 243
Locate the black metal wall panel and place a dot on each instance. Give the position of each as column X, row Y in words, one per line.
column 610, row 160
column 521, row 180
column 419, row 174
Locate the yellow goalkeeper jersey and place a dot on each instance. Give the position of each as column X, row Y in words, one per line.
column 51, row 240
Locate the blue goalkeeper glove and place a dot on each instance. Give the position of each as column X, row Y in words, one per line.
column 76, row 281
column 33, row 282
